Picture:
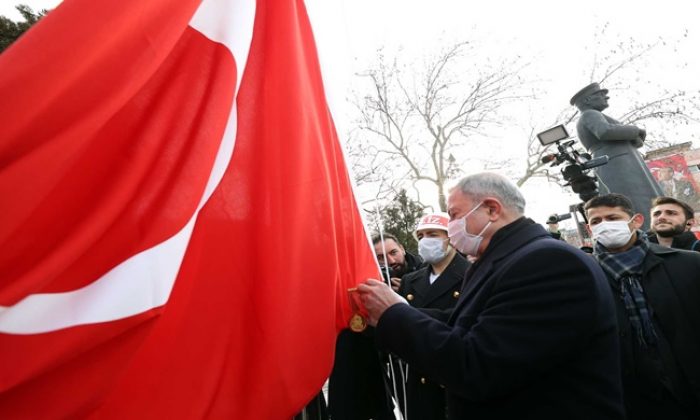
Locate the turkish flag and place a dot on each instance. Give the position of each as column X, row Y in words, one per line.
column 179, row 229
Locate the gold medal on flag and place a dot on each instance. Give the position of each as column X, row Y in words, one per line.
column 357, row 323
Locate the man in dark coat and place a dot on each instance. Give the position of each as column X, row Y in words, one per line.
column 435, row 286
column 657, row 290
column 625, row 173
column 533, row 333
column 359, row 387
column 669, row 224
column 393, row 258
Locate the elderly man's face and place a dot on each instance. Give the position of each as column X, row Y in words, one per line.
column 598, row 100
column 460, row 205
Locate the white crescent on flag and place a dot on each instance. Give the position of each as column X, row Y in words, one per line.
column 180, row 229
column 144, row 281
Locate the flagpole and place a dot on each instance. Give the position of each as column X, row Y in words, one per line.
column 387, row 279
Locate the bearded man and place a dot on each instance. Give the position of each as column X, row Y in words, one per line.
column 669, row 224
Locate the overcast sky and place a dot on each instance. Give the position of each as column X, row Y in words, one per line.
column 556, row 37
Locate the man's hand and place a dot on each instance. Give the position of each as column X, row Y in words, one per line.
column 377, row 297
column 395, row 284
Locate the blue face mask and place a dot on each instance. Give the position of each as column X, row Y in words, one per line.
column 432, row 250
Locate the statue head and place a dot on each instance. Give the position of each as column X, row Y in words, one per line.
column 591, row 97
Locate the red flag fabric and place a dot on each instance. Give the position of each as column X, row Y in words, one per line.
column 179, row 229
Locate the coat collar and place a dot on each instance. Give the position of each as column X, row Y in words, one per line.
column 653, row 256
column 684, row 240
column 450, row 278
column 505, row 242
column 510, row 237
column 420, row 282
column 651, row 260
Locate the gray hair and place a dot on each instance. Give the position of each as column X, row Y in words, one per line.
column 486, row 184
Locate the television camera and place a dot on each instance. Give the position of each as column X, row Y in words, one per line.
column 579, row 164
column 387, row 274
column 556, row 218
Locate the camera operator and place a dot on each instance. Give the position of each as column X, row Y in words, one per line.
column 392, row 254
column 553, row 227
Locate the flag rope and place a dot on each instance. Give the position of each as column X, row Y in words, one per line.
column 391, row 359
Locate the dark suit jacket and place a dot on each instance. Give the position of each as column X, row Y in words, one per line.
column 426, row 399
column 533, row 335
column 358, row 388
column 671, row 283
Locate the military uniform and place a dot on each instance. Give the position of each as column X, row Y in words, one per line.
column 426, row 399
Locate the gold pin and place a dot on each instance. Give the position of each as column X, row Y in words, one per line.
column 357, row 323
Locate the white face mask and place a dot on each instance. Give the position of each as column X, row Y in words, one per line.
column 464, row 242
column 431, row 250
column 612, row 235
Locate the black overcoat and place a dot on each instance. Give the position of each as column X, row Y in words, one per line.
column 533, row 335
column 685, row 240
column 358, row 388
column 426, row 399
column 671, row 282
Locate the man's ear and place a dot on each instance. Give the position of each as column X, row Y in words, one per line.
column 588, row 229
column 637, row 221
column 494, row 207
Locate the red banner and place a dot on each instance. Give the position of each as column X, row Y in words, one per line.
column 671, row 172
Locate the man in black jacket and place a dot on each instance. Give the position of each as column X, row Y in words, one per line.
column 533, row 333
column 436, row 286
column 359, row 387
column 657, row 290
column 392, row 255
column 669, row 224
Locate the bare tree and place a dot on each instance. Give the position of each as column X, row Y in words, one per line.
column 414, row 121
column 621, row 67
